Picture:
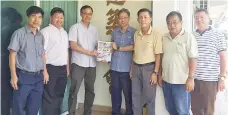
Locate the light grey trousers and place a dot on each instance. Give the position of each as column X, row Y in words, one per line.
column 142, row 91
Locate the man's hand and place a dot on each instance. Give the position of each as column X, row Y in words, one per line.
column 130, row 74
column 221, row 85
column 190, row 84
column 68, row 71
column 153, row 79
column 14, row 81
column 160, row 80
column 104, row 61
column 93, row 53
column 46, row 77
column 114, row 46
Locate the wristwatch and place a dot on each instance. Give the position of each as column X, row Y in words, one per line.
column 118, row 48
column 222, row 77
column 191, row 76
column 156, row 73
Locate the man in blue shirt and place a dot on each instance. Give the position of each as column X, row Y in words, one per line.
column 27, row 64
column 123, row 40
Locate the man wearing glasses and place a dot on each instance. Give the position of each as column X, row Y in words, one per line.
column 123, row 40
column 178, row 66
column 83, row 38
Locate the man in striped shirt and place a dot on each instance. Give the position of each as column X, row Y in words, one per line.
column 211, row 65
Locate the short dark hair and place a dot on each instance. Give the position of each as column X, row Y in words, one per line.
column 201, row 10
column 144, row 10
column 85, row 7
column 34, row 10
column 56, row 10
column 174, row 13
column 125, row 11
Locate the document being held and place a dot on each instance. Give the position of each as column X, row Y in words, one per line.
column 105, row 51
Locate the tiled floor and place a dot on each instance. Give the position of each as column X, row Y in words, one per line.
column 95, row 113
column 80, row 112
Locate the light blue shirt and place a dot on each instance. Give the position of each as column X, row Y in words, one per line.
column 29, row 49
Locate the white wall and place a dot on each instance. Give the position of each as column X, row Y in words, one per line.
column 99, row 20
column 161, row 9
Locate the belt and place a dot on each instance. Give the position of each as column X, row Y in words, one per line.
column 30, row 73
column 61, row 66
column 145, row 64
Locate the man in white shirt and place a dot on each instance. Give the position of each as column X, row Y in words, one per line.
column 83, row 38
column 56, row 47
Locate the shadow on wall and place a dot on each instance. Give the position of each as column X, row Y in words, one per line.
column 10, row 21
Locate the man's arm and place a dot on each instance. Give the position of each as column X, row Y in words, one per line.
column 76, row 47
column 222, row 55
column 192, row 66
column 68, row 64
column 127, row 48
column 12, row 64
column 45, row 73
column 157, row 62
column 160, row 72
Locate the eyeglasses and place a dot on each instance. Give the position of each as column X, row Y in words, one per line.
column 123, row 18
column 87, row 14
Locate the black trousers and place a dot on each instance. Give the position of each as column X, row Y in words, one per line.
column 6, row 89
column 54, row 90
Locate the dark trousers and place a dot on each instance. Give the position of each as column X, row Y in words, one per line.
column 142, row 91
column 28, row 97
column 54, row 90
column 79, row 73
column 177, row 100
column 121, row 81
column 203, row 97
column 6, row 88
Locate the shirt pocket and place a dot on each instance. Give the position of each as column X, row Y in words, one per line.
column 149, row 44
column 181, row 47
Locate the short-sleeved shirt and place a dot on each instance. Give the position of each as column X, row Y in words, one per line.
column 29, row 48
column 210, row 43
column 121, row 60
column 87, row 38
column 56, row 45
column 176, row 54
column 146, row 46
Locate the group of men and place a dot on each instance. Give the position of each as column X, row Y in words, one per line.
column 180, row 62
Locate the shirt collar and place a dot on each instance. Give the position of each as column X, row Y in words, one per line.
column 128, row 29
column 55, row 27
column 180, row 34
column 29, row 31
column 208, row 29
column 84, row 25
column 148, row 33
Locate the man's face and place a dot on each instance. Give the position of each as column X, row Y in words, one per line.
column 201, row 19
column 86, row 15
column 144, row 19
column 57, row 20
column 123, row 19
column 174, row 24
column 35, row 20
